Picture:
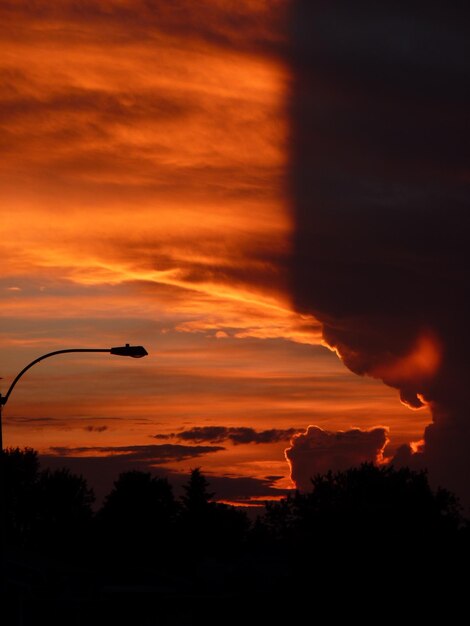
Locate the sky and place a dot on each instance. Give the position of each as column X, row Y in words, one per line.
column 252, row 191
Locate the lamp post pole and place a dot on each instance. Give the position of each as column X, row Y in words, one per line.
column 133, row 351
column 127, row 350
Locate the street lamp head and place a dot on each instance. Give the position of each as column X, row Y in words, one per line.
column 137, row 352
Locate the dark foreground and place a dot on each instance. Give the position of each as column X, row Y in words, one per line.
column 365, row 544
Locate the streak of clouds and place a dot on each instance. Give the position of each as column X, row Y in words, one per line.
column 236, row 434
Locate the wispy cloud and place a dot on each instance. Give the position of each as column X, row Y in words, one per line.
column 235, row 434
column 153, row 454
column 172, row 127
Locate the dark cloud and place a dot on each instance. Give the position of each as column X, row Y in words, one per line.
column 103, row 106
column 243, row 489
column 102, row 471
column 380, row 161
column 28, row 421
column 95, row 429
column 153, row 454
column 236, row 434
column 317, row 451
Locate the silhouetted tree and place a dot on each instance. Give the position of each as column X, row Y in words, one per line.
column 20, row 476
column 230, row 529
column 360, row 510
column 197, row 498
column 64, row 512
column 46, row 512
column 366, row 527
column 137, row 520
column 346, row 534
column 209, row 528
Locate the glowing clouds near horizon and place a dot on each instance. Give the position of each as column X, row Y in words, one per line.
column 318, row 451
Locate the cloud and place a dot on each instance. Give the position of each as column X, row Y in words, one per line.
column 236, row 434
column 102, row 471
column 153, row 454
column 318, row 451
column 250, row 25
column 96, row 429
column 133, row 114
column 244, row 489
column 380, row 157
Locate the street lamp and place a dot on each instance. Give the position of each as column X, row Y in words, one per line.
column 135, row 352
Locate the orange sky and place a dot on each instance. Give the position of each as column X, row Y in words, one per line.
column 144, row 200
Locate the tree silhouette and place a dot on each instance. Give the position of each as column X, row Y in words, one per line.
column 138, row 518
column 20, row 475
column 48, row 512
column 357, row 511
column 64, row 511
column 196, row 500
column 335, row 537
column 209, row 528
column 368, row 527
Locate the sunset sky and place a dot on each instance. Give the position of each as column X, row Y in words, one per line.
column 147, row 197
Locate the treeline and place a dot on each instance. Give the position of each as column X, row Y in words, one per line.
column 49, row 513
column 359, row 524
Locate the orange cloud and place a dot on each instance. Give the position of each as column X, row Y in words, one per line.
column 420, row 364
column 156, row 149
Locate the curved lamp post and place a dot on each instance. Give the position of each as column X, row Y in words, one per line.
column 133, row 351
column 127, row 350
